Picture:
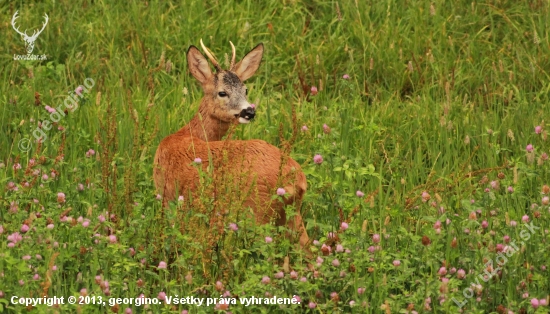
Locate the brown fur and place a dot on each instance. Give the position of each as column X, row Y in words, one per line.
column 259, row 161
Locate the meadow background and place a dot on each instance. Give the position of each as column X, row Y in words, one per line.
column 429, row 116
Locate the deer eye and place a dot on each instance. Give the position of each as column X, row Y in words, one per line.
column 222, row 94
column 246, row 92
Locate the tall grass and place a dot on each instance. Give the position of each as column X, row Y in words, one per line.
column 432, row 127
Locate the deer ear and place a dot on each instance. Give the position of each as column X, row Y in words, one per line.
column 198, row 65
column 250, row 63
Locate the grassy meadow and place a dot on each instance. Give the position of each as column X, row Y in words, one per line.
column 430, row 117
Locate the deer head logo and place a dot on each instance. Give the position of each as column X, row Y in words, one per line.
column 29, row 40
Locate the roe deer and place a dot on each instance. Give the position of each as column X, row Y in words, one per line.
column 225, row 103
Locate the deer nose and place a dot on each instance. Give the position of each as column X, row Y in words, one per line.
column 248, row 113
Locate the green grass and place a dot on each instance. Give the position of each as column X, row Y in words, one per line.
column 443, row 103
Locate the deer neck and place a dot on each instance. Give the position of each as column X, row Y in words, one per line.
column 204, row 126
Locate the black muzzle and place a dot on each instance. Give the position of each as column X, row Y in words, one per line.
column 248, row 113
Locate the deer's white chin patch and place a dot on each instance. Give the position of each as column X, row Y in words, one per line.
column 243, row 120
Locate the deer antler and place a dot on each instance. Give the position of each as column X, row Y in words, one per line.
column 15, row 17
column 35, row 34
column 233, row 52
column 211, row 57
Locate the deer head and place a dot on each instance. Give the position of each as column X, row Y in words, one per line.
column 225, row 95
column 29, row 40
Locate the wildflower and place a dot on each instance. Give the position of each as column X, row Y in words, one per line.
column 376, row 238
column 297, row 298
column 345, row 77
column 128, row 311
column 50, row 226
column 359, row 193
column 233, row 227
column 219, row 285
column 304, row 128
column 268, row 239
column 318, row 159
column 162, row 265
column 331, row 235
column 513, row 223
column 161, row 296
column 529, row 148
column 319, row 260
column 535, row 303
column 36, row 277
column 313, row 90
column 339, row 248
column 538, row 129
column 303, row 279
column 335, row 262
column 159, row 197
column 61, row 197
column 484, row 224
column 360, row 290
column 510, row 189
column 344, row 226
column 253, row 106
column 90, row 153
column 426, row 241
column 45, row 177
column 80, row 187
column 15, row 237
column 494, row 185
column 24, row 228
column 180, row 198
column 545, row 200
column 26, row 257
column 266, row 280
column 312, row 305
column 17, row 166
column 437, row 225
column 79, row 90
column 281, row 191
column 112, row 238
column 525, row 218
column 293, row 275
column 101, row 218
column 425, row 196
column 279, row 275
column 326, row 129
column 396, row 263
column 13, row 207
column 12, row 186
column 442, row 271
column 198, row 161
